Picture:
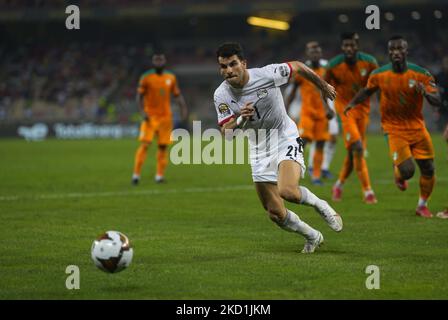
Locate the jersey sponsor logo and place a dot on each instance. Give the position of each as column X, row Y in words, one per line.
column 262, row 93
column 168, row 82
column 411, row 83
column 363, row 72
column 224, row 110
column 347, row 137
column 284, row 71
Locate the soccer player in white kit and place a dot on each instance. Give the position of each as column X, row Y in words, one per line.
column 250, row 99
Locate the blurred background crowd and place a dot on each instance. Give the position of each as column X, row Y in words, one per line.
column 49, row 73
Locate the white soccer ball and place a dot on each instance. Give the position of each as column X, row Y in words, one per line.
column 112, row 252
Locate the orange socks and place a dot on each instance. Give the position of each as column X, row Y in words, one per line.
column 426, row 186
column 362, row 171
column 162, row 161
column 140, row 157
column 347, row 168
column 397, row 173
column 317, row 162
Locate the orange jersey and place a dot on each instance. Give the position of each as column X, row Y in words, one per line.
column 349, row 79
column 156, row 90
column 400, row 103
column 311, row 100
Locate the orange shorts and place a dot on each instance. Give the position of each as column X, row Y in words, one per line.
column 404, row 145
column 354, row 129
column 313, row 129
column 160, row 126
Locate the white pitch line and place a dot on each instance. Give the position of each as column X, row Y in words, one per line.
column 124, row 193
column 73, row 195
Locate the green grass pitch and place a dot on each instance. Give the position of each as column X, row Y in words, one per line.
column 204, row 234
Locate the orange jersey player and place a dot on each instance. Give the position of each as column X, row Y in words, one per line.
column 348, row 72
column 313, row 123
column 154, row 98
column 403, row 86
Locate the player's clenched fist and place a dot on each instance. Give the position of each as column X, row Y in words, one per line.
column 328, row 91
column 420, row 87
column 248, row 111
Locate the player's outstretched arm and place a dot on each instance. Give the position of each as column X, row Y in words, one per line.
column 139, row 100
column 360, row 96
column 328, row 91
column 328, row 111
column 291, row 96
column 183, row 106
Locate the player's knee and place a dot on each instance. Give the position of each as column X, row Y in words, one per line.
column 333, row 138
column 289, row 193
column 407, row 172
column 320, row 144
column 145, row 145
column 428, row 169
column 357, row 148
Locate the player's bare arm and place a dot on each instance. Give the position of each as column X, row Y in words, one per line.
column 433, row 98
column 328, row 91
column 328, row 111
column 183, row 106
column 140, row 104
column 291, row 96
column 361, row 96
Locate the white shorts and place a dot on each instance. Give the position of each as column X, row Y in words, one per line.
column 333, row 126
column 265, row 165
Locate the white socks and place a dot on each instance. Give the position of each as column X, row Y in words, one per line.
column 329, row 150
column 338, row 184
column 292, row 223
column 308, row 198
column 311, row 155
column 422, row 202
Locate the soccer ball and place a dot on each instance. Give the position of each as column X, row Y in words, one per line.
column 112, row 252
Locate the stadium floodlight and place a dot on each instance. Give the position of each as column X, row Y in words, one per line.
column 415, row 15
column 343, row 18
column 268, row 23
column 438, row 14
column 389, row 16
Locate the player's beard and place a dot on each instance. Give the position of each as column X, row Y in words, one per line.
column 159, row 70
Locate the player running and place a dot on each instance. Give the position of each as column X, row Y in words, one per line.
column 403, row 85
column 348, row 72
column 251, row 99
column 314, row 115
column 154, row 98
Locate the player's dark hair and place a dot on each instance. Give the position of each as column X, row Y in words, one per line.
column 229, row 49
column 396, row 37
column 349, row 36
